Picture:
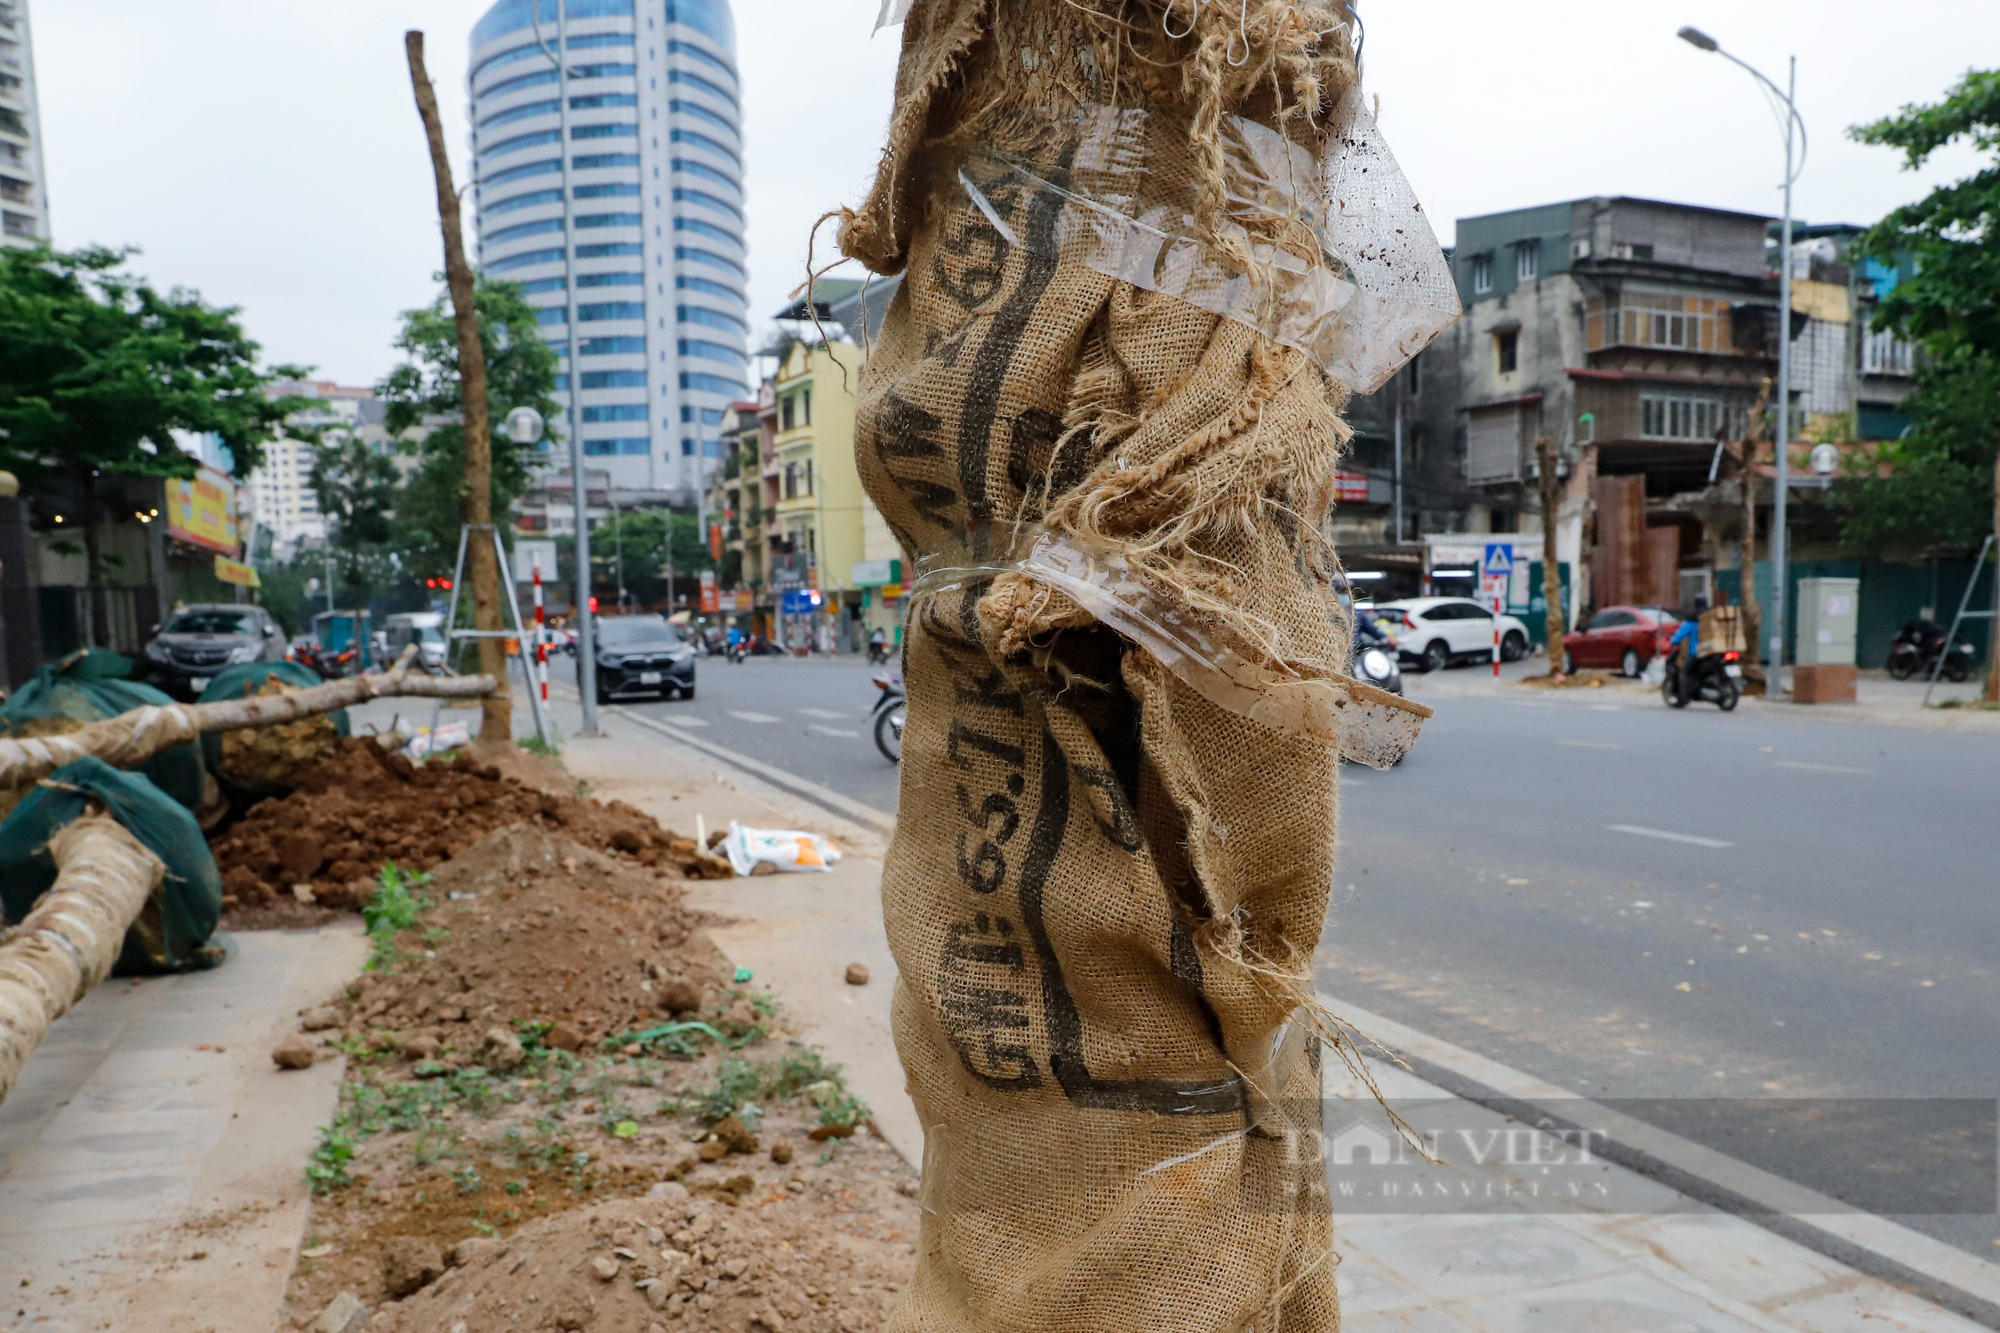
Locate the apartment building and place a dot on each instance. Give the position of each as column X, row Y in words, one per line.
column 24, row 207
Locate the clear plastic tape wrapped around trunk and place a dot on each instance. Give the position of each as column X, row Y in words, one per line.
column 1329, row 254
column 1367, row 725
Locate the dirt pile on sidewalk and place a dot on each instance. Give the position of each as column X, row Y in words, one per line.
column 827, row 1256
column 365, row 806
column 531, row 928
column 553, row 1079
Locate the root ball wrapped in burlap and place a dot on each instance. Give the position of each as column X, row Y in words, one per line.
column 1124, row 656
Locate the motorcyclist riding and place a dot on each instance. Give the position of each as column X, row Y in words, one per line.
column 1682, row 663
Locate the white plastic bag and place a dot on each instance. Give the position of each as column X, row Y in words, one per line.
column 786, row 850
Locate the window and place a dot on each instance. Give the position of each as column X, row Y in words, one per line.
column 695, row 81
column 608, row 220
column 710, row 18
column 613, row 250
column 603, row 72
column 522, row 172
column 514, row 15
column 708, row 288
column 553, row 314
column 520, row 229
column 708, row 201
column 715, row 319
column 599, row 39
column 613, row 346
column 616, row 412
column 809, row 476
column 1414, row 381
column 1884, row 353
column 617, row 131
column 601, row 161
column 708, row 416
column 514, row 85
column 608, row 190
column 786, row 418
column 695, row 256
column 1632, row 250
column 616, row 379
column 611, row 280
column 712, row 384
column 791, row 481
column 706, row 172
column 696, row 140
column 1610, row 620
column 1482, row 273
column 700, row 112
column 1507, row 344
column 599, row 101
column 533, row 199
column 1527, row 259
column 806, row 406
column 525, row 111
column 519, row 142
column 702, row 54
column 625, row 448
column 540, row 285
column 709, row 229
column 602, row 310
column 1664, row 416
column 523, row 260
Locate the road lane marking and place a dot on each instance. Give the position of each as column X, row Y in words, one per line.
column 819, row 730
column 1591, row 745
column 745, row 715
column 683, row 721
column 827, row 713
column 1819, row 768
column 1638, row 830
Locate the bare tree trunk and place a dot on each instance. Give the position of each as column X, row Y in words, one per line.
column 476, row 506
column 1551, row 487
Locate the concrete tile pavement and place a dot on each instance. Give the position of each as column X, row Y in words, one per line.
column 1663, row 1262
column 151, row 1156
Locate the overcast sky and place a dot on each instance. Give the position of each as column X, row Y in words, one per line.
column 267, row 152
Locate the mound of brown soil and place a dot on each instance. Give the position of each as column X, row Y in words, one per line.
column 535, row 928
column 813, row 1258
column 365, row 806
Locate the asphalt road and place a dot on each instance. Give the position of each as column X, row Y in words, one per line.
column 1632, row 902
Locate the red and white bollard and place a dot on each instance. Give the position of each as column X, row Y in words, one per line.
column 541, row 638
column 1497, row 604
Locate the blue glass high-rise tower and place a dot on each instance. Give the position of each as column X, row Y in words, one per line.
column 654, row 238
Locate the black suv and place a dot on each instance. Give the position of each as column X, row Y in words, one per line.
column 642, row 655
column 198, row 642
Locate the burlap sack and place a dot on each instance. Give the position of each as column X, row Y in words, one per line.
column 1105, row 888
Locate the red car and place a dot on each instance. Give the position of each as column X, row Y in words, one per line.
column 1626, row 637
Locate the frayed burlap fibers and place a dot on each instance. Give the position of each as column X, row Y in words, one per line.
column 1108, row 879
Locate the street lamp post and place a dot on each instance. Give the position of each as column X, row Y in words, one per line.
column 1794, row 164
column 586, row 627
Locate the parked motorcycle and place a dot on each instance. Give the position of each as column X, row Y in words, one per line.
column 328, row 666
column 1710, row 678
column 890, row 710
column 1918, row 645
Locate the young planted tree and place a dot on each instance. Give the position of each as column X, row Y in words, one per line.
column 1951, row 305
column 98, row 369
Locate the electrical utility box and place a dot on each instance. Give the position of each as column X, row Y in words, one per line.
column 1829, row 616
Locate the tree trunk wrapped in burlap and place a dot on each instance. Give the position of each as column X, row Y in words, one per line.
column 1102, row 420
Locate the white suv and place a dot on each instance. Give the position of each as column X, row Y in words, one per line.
column 1434, row 632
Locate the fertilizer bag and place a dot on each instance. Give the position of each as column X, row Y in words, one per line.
column 1146, row 254
column 174, row 932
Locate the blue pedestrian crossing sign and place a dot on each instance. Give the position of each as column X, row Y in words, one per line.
column 1499, row 561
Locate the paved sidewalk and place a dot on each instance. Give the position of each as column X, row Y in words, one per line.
column 152, row 1157
column 1662, row 1262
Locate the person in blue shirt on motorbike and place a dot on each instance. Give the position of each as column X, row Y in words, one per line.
column 1688, row 633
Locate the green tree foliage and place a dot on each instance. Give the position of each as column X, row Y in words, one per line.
column 1932, row 490
column 1937, row 491
column 423, row 393
column 360, row 494
column 98, row 369
column 640, row 538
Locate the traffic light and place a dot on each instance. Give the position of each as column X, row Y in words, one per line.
column 593, row 606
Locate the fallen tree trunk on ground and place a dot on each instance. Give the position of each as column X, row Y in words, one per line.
column 69, row 941
column 132, row 738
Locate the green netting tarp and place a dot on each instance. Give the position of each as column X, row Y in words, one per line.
column 83, row 688
column 173, row 933
column 249, row 678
